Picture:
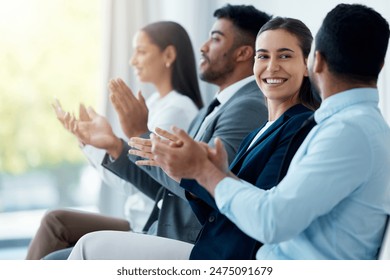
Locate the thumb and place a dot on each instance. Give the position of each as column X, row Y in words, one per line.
column 219, row 147
column 141, row 99
column 91, row 113
column 83, row 113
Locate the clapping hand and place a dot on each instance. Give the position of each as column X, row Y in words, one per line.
column 142, row 147
column 132, row 111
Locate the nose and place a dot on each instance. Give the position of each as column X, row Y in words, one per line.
column 273, row 65
column 133, row 60
column 204, row 47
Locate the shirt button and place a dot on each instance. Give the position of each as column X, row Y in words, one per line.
column 211, row 219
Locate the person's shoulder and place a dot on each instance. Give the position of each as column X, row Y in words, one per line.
column 182, row 101
column 297, row 115
column 254, row 96
column 152, row 99
column 250, row 88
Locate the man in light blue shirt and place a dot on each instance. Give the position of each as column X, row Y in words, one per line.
column 335, row 199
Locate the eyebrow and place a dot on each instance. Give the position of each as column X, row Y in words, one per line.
column 217, row 32
column 279, row 50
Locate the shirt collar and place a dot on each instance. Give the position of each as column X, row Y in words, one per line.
column 341, row 100
column 224, row 95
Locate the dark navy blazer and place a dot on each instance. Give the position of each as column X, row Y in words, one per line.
column 261, row 166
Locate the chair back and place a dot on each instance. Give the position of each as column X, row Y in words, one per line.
column 384, row 251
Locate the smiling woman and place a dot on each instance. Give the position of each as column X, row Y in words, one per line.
column 47, row 49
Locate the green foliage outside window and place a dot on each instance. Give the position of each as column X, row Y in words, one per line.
column 48, row 48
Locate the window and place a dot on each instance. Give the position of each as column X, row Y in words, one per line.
column 48, row 49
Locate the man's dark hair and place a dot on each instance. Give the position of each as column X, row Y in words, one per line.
column 246, row 18
column 353, row 39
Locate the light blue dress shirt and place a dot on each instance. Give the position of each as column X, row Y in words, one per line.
column 334, row 200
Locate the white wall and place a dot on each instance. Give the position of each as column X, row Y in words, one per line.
column 121, row 19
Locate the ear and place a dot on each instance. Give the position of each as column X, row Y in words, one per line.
column 306, row 74
column 244, row 53
column 169, row 55
column 319, row 62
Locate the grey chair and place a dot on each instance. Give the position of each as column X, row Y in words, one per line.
column 384, row 252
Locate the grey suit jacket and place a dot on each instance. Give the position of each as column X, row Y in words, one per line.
column 242, row 113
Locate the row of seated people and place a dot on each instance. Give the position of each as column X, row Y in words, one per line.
column 309, row 181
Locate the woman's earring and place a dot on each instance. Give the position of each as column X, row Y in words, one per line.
column 167, row 64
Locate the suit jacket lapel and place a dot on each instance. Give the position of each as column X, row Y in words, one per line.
column 244, row 151
column 282, row 119
column 197, row 122
column 244, row 147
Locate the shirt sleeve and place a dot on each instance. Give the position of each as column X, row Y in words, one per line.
column 95, row 157
column 332, row 162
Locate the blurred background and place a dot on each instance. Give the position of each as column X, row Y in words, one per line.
column 69, row 49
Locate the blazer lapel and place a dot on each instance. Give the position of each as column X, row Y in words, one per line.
column 244, row 146
column 244, row 90
column 282, row 119
column 244, row 151
column 197, row 122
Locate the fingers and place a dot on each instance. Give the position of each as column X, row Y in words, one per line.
column 80, row 131
column 163, row 133
column 83, row 113
column 122, row 97
column 158, row 146
column 66, row 120
column 147, row 162
column 181, row 134
column 140, row 141
column 140, row 153
column 143, row 148
column 119, row 89
column 73, row 123
column 115, row 95
column 57, row 105
column 91, row 113
column 125, row 89
column 141, row 144
column 58, row 110
column 141, row 99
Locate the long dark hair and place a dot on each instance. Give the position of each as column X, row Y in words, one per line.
column 184, row 76
column 307, row 96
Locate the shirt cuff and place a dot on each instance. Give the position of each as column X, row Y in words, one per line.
column 222, row 192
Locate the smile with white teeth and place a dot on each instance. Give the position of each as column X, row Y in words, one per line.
column 274, row 81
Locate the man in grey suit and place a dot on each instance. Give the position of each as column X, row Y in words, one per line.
column 227, row 61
